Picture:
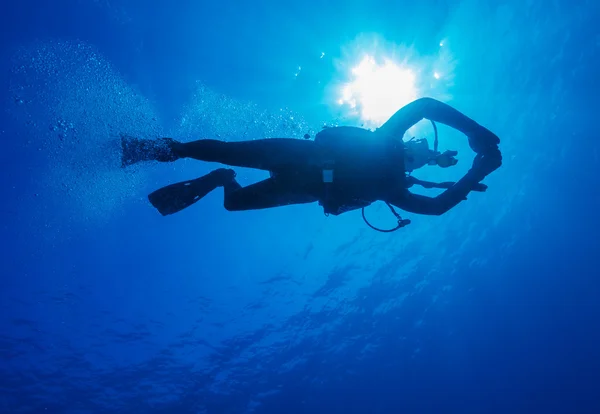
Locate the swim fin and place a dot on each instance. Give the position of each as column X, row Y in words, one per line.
column 135, row 150
column 176, row 197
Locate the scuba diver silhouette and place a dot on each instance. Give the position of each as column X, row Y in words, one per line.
column 343, row 169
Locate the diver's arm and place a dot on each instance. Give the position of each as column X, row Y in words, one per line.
column 483, row 165
column 435, row 206
column 412, row 180
column 480, row 138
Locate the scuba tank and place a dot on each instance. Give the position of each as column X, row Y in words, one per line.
column 358, row 166
column 356, row 157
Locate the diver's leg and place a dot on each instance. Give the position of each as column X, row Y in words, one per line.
column 266, row 154
column 272, row 192
column 269, row 154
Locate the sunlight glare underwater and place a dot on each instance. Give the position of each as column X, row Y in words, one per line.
column 378, row 90
column 381, row 82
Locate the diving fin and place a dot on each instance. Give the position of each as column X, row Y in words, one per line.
column 176, row 197
column 135, row 150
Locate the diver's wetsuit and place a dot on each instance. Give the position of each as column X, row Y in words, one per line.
column 374, row 172
column 296, row 178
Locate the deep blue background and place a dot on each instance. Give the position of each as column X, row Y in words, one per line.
column 107, row 307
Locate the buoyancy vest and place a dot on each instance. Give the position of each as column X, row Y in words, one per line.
column 358, row 167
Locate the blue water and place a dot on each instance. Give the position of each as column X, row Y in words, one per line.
column 107, row 307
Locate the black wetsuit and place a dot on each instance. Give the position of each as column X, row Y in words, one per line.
column 367, row 166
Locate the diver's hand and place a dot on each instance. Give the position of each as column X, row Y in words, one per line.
column 483, row 141
column 447, row 159
column 485, row 164
column 479, row 187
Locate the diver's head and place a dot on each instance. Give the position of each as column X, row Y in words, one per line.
column 417, row 154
